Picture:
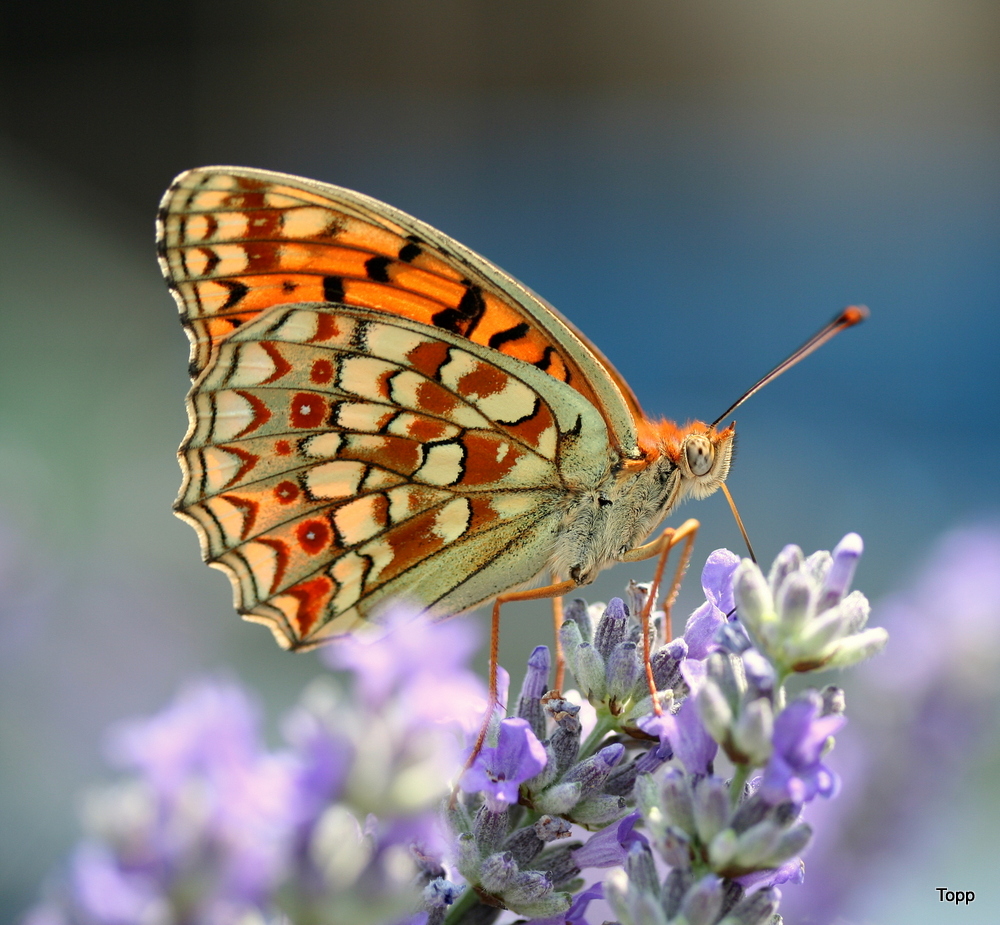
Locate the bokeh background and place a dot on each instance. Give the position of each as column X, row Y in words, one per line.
column 697, row 185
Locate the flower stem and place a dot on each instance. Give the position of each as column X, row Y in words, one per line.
column 740, row 775
column 605, row 723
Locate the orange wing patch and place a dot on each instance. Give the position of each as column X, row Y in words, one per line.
column 233, row 247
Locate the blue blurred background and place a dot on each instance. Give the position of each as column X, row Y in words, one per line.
column 698, row 186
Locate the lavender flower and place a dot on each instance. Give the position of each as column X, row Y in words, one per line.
column 801, row 617
column 359, row 820
column 499, row 771
column 801, row 734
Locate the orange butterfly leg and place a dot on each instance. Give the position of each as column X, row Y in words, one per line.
column 557, row 622
column 661, row 547
column 532, row 594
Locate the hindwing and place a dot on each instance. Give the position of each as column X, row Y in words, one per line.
column 337, row 456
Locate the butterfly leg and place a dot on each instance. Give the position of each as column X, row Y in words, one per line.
column 557, row 649
column 661, row 547
column 556, row 590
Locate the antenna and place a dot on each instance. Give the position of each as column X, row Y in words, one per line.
column 850, row 316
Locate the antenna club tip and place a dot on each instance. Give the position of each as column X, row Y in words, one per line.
column 854, row 314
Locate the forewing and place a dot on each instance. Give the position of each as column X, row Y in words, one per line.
column 338, row 456
column 236, row 242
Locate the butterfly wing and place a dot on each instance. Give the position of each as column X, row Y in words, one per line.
column 338, row 456
column 235, row 242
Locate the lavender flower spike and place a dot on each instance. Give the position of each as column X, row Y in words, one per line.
column 802, row 618
column 499, row 771
column 795, row 771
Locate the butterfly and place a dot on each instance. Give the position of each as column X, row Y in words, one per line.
column 379, row 412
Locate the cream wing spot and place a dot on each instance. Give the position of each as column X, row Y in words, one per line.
column 513, row 403
column 298, row 327
column 305, row 222
column 381, row 554
column 197, row 228
column 338, row 479
column 229, row 517
column 529, row 469
column 453, row 520
column 277, row 200
column 349, row 573
column 322, row 446
column 208, row 200
column 361, row 519
column 442, row 464
column 365, row 376
column 232, row 259
column 220, row 468
column 211, row 296
column 252, row 365
column 263, row 563
column 546, row 443
column 407, row 500
column 377, row 479
column 233, row 414
column 363, row 416
column 231, row 226
column 391, row 342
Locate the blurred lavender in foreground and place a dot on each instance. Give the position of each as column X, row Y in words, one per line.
column 358, row 820
column 930, row 707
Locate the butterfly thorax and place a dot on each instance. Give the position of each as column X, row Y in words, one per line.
column 604, row 523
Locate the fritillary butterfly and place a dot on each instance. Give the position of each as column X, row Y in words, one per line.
column 378, row 411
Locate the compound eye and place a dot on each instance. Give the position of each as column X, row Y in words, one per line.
column 700, row 454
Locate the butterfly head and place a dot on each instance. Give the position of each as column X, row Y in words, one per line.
column 701, row 453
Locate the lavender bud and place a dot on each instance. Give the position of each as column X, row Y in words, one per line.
column 632, row 906
column 677, row 800
column 789, row 560
column 523, row 845
column 711, row 807
column 560, row 799
column 675, row 888
column 593, row 772
column 676, row 847
column 753, row 597
column 527, row 886
column 497, row 872
column 753, row 731
column 590, row 672
column 622, row 673
column 576, row 612
column 489, row 828
column 641, row 869
column 666, row 664
column 759, row 673
column 714, row 711
column 733, row 638
column 536, row 682
column 703, row 902
column 565, row 744
column 570, row 639
column 559, row 864
column 599, row 810
column 795, row 602
column 845, row 560
column 755, row 909
column 612, row 628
